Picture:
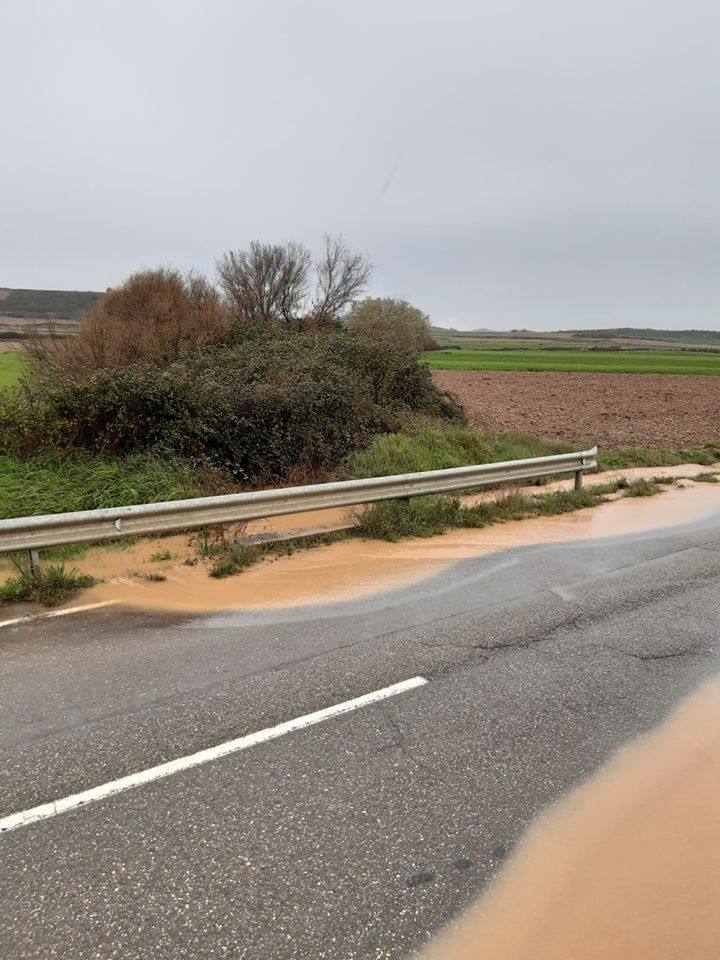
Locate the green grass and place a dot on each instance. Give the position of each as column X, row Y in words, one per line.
column 706, row 478
column 655, row 457
column 429, row 446
column 12, row 365
column 56, row 483
column 582, row 360
column 52, row 586
column 160, row 555
column 393, row 520
column 232, row 558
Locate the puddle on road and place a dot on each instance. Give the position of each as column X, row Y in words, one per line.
column 357, row 568
column 626, row 867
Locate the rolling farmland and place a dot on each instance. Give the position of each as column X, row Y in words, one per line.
column 566, row 359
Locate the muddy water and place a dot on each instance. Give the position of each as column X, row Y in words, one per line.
column 627, row 867
column 358, row 568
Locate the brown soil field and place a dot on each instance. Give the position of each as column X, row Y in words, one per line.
column 611, row 409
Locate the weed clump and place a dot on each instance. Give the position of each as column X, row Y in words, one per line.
column 160, row 555
column 53, row 585
column 643, row 488
column 429, row 516
column 232, row 557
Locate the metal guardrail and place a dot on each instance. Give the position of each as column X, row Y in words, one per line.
column 86, row 526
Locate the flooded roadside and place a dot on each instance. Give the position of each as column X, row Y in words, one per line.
column 356, row 568
column 626, row 867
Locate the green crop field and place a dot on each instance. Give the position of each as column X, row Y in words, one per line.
column 585, row 361
column 11, row 366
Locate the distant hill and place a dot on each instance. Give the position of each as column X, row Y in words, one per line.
column 452, row 332
column 46, row 304
column 646, row 333
column 641, row 336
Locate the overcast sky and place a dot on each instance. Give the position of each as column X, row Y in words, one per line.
column 503, row 163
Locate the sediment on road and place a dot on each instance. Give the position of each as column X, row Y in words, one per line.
column 357, row 567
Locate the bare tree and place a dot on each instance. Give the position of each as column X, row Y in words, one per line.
column 341, row 276
column 267, row 283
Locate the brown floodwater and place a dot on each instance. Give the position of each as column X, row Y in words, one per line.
column 356, row 568
column 627, row 867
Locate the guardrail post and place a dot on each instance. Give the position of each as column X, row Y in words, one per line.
column 578, row 479
column 34, row 564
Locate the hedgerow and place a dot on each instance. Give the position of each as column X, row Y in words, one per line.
column 260, row 408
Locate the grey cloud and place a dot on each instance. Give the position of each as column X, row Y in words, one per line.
column 547, row 164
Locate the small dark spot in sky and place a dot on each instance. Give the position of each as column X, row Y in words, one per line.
column 499, row 852
column 417, row 879
column 462, row 863
column 387, row 182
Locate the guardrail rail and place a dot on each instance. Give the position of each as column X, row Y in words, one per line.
column 87, row 526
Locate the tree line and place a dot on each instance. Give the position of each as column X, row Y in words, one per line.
column 156, row 314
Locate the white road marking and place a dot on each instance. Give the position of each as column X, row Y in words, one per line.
column 57, row 613
column 52, row 809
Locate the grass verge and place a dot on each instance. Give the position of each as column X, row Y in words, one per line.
column 52, row 586
column 429, row 516
column 424, row 517
column 56, row 483
column 425, row 445
column 626, row 457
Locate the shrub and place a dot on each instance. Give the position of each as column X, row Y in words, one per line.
column 151, row 318
column 262, row 409
column 391, row 321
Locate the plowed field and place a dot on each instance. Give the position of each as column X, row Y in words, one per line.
column 613, row 410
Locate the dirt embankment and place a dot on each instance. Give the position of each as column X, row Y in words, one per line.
column 612, row 409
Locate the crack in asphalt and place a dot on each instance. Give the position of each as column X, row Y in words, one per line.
column 670, row 655
column 575, row 621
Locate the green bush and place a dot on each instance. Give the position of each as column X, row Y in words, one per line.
column 263, row 409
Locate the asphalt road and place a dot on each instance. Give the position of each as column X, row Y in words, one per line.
column 361, row 835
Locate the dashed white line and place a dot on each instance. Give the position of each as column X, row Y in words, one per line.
column 75, row 800
column 57, row 613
